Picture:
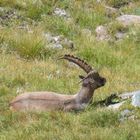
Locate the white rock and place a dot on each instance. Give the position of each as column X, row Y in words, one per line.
column 136, row 99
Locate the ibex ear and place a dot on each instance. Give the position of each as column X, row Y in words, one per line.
column 81, row 77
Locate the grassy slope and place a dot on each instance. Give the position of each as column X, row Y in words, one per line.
column 27, row 65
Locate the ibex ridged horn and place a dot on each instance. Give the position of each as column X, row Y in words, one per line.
column 81, row 63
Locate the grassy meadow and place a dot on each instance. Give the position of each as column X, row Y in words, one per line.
column 28, row 64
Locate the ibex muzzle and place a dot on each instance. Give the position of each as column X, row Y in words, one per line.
column 46, row 101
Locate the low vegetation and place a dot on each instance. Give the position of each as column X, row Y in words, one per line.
column 28, row 64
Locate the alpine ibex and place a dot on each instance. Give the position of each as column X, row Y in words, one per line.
column 45, row 101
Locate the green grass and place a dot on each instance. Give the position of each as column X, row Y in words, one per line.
column 28, row 64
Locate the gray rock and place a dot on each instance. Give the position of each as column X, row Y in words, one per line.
column 128, row 95
column 116, row 106
column 102, row 33
column 128, row 20
column 136, row 99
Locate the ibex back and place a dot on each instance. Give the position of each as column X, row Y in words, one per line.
column 46, row 101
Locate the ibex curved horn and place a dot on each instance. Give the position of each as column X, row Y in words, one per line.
column 81, row 63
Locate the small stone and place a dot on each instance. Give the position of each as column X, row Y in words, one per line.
column 60, row 12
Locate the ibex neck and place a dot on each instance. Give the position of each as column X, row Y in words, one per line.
column 84, row 95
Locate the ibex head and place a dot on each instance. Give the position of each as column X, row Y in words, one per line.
column 92, row 79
